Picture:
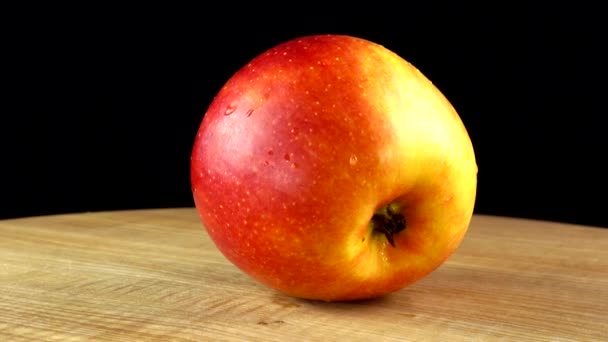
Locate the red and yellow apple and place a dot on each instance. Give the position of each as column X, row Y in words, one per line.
column 330, row 168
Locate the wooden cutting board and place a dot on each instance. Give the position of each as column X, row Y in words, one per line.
column 154, row 275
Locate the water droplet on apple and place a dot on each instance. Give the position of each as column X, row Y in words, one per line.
column 353, row 160
column 384, row 256
column 230, row 109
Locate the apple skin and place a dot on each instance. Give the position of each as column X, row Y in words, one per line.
column 303, row 145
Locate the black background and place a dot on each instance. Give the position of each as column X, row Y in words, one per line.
column 104, row 103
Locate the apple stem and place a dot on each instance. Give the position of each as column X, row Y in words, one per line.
column 389, row 221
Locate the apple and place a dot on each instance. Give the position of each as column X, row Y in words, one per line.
column 329, row 168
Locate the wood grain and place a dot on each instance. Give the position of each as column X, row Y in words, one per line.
column 154, row 275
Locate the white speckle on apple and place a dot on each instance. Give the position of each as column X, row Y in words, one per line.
column 311, row 67
column 221, row 206
column 353, row 160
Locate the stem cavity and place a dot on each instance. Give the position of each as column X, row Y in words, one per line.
column 388, row 221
